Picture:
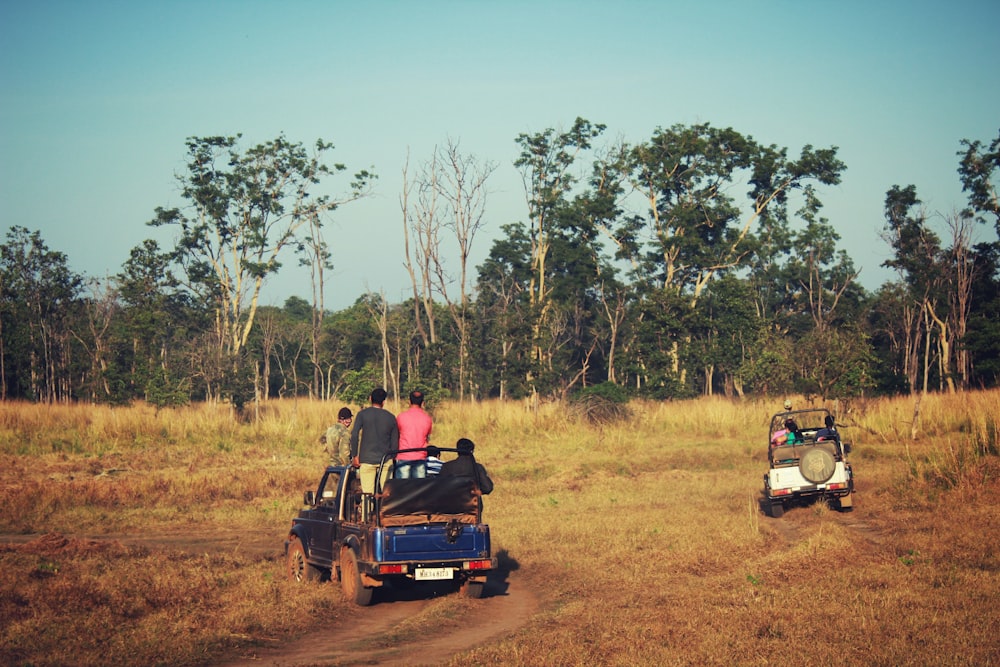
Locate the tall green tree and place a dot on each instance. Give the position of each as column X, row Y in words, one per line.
column 159, row 319
column 725, row 329
column 244, row 209
column 686, row 175
column 982, row 340
column 40, row 295
column 503, row 308
column 938, row 281
column 915, row 249
column 546, row 162
column 979, row 171
column 692, row 229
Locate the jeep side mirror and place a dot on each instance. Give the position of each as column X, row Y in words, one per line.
column 847, row 448
column 309, row 498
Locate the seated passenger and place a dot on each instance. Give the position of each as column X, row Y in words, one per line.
column 433, row 460
column 828, row 432
column 466, row 466
column 787, row 435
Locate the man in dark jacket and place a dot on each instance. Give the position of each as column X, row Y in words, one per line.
column 467, row 466
column 374, row 435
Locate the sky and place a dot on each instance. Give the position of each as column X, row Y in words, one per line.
column 97, row 99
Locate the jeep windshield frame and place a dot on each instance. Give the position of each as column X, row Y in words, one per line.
column 809, row 421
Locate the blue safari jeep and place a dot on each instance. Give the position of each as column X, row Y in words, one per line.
column 410, row 530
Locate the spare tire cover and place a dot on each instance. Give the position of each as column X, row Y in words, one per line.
column 817, row 465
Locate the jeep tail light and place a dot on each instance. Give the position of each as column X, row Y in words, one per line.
column 837, row 485
column 477, row 564
column 781, row 492
column 392, row 569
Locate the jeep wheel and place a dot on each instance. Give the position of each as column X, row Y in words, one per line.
column 777, row 509
column 299, row 569
column 817, row 465
column 350, row 579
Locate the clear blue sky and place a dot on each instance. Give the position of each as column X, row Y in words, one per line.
column 97, row 99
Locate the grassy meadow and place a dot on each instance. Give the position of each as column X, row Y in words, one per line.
column 642, row 539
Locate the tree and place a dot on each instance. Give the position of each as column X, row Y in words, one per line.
column 822, row 274
column 451, row 194
column 692, row 230
column 834, row 362
column 613, row 300
column 916, row 248
column 696, row 228
column 545, row 162
column 960, row 269
column 982, row 340
column 244, row 208
column 503, row 313
column 159, row 320
column 350, row 340
column 979, row 170
column 39, row 295
column 725, row 327
column 100, row 311
column 420, row 220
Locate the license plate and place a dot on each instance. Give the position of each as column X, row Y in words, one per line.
column 427, row 573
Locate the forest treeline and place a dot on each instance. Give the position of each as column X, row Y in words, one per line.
column 696, row 262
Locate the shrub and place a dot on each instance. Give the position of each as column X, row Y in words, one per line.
column 604, row 403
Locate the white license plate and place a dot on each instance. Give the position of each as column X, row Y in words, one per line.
column 427, row 573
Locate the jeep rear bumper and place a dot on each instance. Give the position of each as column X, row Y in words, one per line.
column 786, row 483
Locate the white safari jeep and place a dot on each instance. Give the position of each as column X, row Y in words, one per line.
column 807, row 461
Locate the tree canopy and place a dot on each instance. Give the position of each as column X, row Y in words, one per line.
column 698, row 261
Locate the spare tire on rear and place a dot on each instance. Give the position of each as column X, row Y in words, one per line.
column 817, row 465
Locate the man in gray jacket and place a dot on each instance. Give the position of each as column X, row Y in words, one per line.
column 375, row 434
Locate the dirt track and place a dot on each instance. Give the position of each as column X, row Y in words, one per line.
column 507, row 604
column 496, row 614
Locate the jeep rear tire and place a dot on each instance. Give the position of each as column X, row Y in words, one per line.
column 777, row 510
column 350, row 579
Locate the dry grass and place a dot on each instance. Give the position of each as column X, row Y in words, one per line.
column 643, row 539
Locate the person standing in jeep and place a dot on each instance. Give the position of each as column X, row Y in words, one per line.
column 414, row 429
column 375, row 434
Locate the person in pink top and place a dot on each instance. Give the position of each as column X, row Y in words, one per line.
column 414, row 429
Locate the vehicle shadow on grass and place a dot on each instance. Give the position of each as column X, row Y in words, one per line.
column 498, row 581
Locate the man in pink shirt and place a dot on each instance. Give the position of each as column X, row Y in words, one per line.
column 414, row 428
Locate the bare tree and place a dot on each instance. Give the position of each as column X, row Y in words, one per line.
column 613, row 308
column 420, row 219
column 378, row 308
column 318, row 261
column 960, row 279
column 463, row 187
column 451, row 194
column 100, row 310
column 269, row 328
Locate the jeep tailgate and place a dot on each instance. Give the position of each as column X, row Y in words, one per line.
column 431, row 543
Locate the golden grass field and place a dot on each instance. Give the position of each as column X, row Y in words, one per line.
column 642, row 540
